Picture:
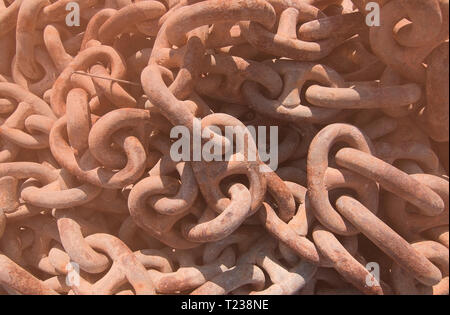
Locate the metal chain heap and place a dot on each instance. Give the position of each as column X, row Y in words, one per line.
column 93, row 202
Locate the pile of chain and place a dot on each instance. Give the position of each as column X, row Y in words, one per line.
column 86, row 177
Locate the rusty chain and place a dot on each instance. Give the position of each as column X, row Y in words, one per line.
column 92, row 200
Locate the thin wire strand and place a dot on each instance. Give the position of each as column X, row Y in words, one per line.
column 106, row 78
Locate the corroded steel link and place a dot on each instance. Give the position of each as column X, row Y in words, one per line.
column 2, row 223
column 174, row 5
column 39, row 126
column 301, row 222
column 392, row 78
column 94, row 25
column 300, row 244
column 175, row 110
column 39, row 87
column 9, row 197
column 158, row 225
column 14, row 243
column 245, row 51
column 354, row 61
column 129, row 233
column 412, row 224
column 24, row 170
column 351, row 270
column 285, row 42
column 58, row 258
column 408, row 150
column 19, row 94
column 6, row 54
column 317, row 166
column 112, row 91
column 37, row 254
column 126, row 268
column 345, row 25
column 83, row 61
column 242, row 238
column 332, row 279
column 188, row 192
column 137, row 12
column 8, row 17
column 59, row 53
column 109, row 201
column 380, row 127
column 310, row 154
column 188, row 18
column 213, row 228
column 407, row 61
column 392, row 179
column 9, row 151
column 224, row 34
column 155, row 259
column 88, row 168
column 288, row 106
column 426, row 19
column 335, row 179
column 435, row 114
column 388, row 241
column 25, row 37
column 282, row 196
column 439, row 234
column 284, row 281
column 20, row 280
column 236, row 71
column 164, row 164
column 321, row 4
column 360, row 96
column 6, row 106
column 102, row 133
column 151, row 27
column 290, row 141
column 406, row 130
column 173, row 32
column 210, row 174
column 232, row 279
column 22, row 212
column 78, row 120
column 191, row 276
column 183, row 199
column 244, row 273
column 55, row 47
column 189, row 60
column 49, row 197
column 437, row 254
column 77, row 248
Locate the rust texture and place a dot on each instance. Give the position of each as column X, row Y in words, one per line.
column 92, row 201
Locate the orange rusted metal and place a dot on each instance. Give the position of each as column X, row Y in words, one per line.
column 93, row 201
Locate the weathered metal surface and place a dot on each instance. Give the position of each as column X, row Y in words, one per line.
column 93, row 202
